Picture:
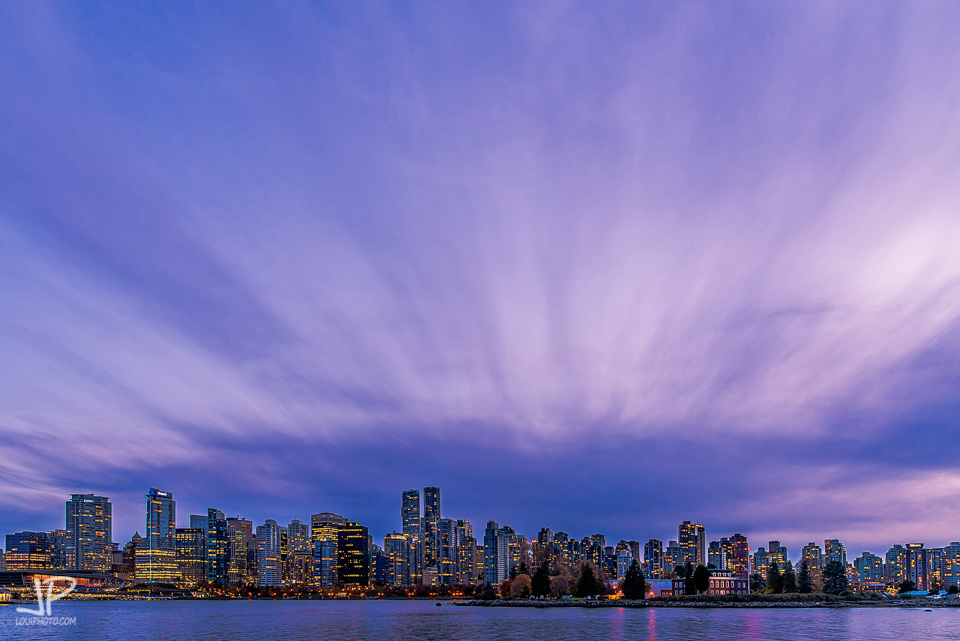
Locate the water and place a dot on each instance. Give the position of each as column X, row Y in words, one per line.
column 424, row 621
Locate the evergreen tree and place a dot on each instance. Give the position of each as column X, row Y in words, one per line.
column 906, row 586
column 678, row 571
column 634, row 584
column 513, row 572
column 804, row 584
column 834, row 578
column 541, row 581
column 757, row 583
column 689, row 587
column 523, row 568
column 774, row 580
column 588, row 584
column 789, row 578
column 701, row 579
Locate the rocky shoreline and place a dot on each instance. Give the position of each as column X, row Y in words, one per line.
column 838, row 603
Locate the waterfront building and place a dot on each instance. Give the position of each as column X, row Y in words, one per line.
column 813, row 555
column 624, row 560
column 448, row 559
column 191, row 556
column 721, row 582
column 869, row 568
column 935, row 568
column 430, row 525
column 916, row 568
column 410, row 511
column 396, row 547
column 737, row 555
column 353, row 554
column 653, row 562
column 950, row 560
column 717, row 555
column 58, row 550
column 269, row 562
column 467, row 551
column 833, row 550
column 28, row 551
column 895, row 566
column 157, row 560
column 761, row 562
column 325, row 534
column 672, row 557
column 89, row 526
column 496, row 557
column 242, row 557
column 692, row 539
column 777, row 553
column 218, row 547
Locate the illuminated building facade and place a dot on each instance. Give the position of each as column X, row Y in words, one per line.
column 218, row 547
column 916, row 569
column 325, row 535
column 58, row 550
column 813, row 555
column 241, row 551
column 448, row 551
column 672, row 557
column 737, row 555
column 833, row 550
column 191, row 554
column 692, row 539
column 157, row 560
column 396, row 547
column 89, row 526
column 28, row 551
column 869, row 568
column 653, row 562
column 269, row 563
column 410, row 511
column 777, row 553
column 298, row 565
column 430, row 525
column 353, row 554
column 950, row 565
column 496, row 553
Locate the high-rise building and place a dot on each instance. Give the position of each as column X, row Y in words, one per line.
column 692, row 539
column 218, row 547
column 813, row 555
column 396, row 546
column 869, row 568
column 917, row 566
column 672, row 557
column 935, row 568
column 717, row 554
column 951, row 565
column 324, row 532
column 58, row 550
column 28, row 551
column 430, row 525
column 777, row 553
column 89, row 526
column 761, row 561
column 410, row 511
column 157, row 561
column 448, row 551
column 496, row 553
column 895, row 567
column 833, row 550
column 737, row 553
column 653, row 559
column 242, row 551
column 353, row 554
column 269, row 564
column 191, row 551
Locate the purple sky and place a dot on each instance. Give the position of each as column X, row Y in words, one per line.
column 601, row 268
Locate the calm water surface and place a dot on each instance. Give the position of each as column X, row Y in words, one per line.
column 388, row 620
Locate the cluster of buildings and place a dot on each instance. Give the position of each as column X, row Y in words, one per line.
column 331, row 551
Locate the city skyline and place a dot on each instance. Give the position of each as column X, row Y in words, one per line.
column 602, row 265
column 692, row 540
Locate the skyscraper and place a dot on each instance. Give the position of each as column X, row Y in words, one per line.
column 431, row 522
column 191, row 553
column 353, row 555
column 448, row 551
column 89, row 526
column 653, row 559
column 693, row 543
column 324, row 533
column 218, row 547
column 28, row 551
column 496, row 554
column 833, row 550
column 916, row 569
column 157, row 561
column 738, row 555
column 269, row 568
column 410, row 511
column 242, row 551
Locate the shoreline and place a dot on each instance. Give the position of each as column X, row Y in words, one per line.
column 908, row 604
